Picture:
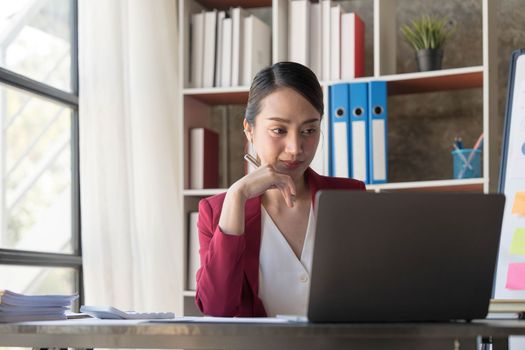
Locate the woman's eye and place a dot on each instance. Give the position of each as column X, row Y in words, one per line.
column 279, row 131
column 309, row 131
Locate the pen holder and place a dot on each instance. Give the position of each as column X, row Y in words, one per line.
column 467, row 163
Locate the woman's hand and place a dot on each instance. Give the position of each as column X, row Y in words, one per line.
column 264, row 178
column 252, row 185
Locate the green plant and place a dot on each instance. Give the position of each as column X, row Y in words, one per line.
column 427, row 32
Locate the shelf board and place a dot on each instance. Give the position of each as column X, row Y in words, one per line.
column 189, row 293
column 462, row 185
column 219, row 96
column 205, row 192
column 226, row 4
column 398, row 84
column 448, row 79
column 420, row 82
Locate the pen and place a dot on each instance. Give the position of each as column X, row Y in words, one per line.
column 458, row 142
column 250, row 159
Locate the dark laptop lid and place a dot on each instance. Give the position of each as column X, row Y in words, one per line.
column 387, row 257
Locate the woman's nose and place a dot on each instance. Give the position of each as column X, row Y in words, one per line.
column 294, row 143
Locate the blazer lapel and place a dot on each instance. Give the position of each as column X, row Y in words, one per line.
column 252, row 229
column 313, row 182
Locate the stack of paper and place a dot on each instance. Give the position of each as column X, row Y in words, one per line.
column 18, row 307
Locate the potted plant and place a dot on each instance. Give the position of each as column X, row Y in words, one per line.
column 428, row 35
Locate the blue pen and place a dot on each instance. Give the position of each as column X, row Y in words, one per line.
column 458, row 142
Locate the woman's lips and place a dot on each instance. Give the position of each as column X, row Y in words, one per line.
column 291, row 164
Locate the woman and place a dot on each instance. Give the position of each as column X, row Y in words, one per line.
column 256, row 240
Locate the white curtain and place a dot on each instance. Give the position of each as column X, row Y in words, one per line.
column 130, row 204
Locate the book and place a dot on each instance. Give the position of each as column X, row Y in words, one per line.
column 298, row 41
column 340, row 161
column 237, row 15
column 326, row 58
column 507, row 305
column 315, row 55
column 193, row 250
column 335, row 42
column 352, row 46
column 208, row 63
column 226, row 74
column 257, row 47
column 204, row 158
column 359, row 126
column 218, row 48
column 378, row 132
column 197, row 49
column 505, row 316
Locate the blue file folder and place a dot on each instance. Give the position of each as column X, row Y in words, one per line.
column 377, row 119
column 358, row 103
column 339, row 131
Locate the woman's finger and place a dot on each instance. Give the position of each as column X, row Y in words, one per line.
column 288, row 197
column 290, row 184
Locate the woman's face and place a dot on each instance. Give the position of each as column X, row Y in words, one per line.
column 286, row 132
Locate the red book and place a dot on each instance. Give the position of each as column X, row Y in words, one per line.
column 352, row 46
column 204, row 158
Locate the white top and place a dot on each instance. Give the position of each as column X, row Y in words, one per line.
column 284, row 280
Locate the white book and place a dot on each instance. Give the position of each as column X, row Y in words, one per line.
column 315, row 39
column 204, row 158
column 210, row 33
column 218, row 48
column 326, row 6
column 226, row 75
column 197, row 48
column 257, row 47
column 298, row 32
column 348, row 45
column 335, row 38
column 237, row 41
column 193, row 250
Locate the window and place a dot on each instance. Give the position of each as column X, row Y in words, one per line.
column 39, row 186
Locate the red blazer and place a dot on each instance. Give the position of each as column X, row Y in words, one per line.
column 228, row 280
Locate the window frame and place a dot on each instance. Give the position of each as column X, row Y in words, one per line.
column 71, row 100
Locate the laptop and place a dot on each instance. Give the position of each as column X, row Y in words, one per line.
column 402, row 257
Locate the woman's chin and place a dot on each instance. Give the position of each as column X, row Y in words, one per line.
column 294, row 172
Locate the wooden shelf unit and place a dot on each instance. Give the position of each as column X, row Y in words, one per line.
column 197, row 103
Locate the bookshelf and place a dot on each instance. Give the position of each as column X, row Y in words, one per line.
column 199, row 105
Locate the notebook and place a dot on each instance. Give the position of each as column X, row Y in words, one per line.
column 400, row 257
